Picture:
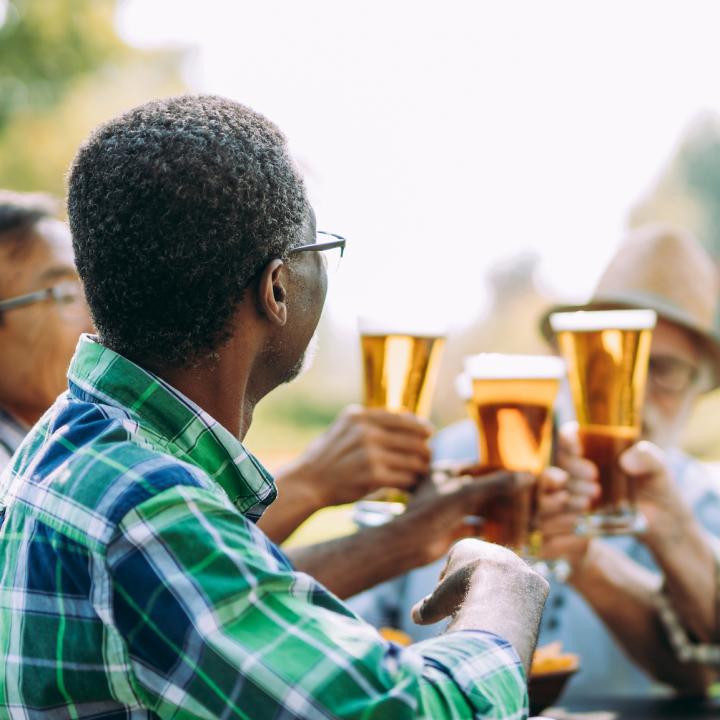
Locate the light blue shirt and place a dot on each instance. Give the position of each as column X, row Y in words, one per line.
column 568, row 618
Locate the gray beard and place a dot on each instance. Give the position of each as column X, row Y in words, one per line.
column 305, row 361
column 657, row 430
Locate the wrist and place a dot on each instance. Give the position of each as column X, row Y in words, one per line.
column 682, row 547
column 362, row 565
column 669, row 531
column 428, row 536
column 299, row 482
column 507, row 604
column 409, row 543
column 584, row 568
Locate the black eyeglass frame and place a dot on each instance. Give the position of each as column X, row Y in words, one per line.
column 338, row 242
column 693, row 374
column 56, row 292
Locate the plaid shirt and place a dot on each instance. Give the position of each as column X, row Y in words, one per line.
column 134, row 583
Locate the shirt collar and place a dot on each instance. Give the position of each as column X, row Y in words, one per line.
column 178, row 426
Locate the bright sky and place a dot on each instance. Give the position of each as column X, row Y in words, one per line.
column 441, row 138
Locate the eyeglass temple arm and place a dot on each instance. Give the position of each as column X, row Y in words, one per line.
column 27, row 299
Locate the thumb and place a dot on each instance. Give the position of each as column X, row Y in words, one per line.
column 644, row 458
column 568, row 439
column 445, row 598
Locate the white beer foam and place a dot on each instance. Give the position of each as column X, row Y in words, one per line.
column 463, row 386
column 394, row 326
column 497, row 366
column 596, row 320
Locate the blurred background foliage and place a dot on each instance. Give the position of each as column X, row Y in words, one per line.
column 687, row 194
column 64, row 69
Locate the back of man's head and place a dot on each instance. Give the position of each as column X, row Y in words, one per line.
column 175, row 207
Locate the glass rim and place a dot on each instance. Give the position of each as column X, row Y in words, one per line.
column 376, row 326
column 597, row 320
column 514, row 366
column 463, row 386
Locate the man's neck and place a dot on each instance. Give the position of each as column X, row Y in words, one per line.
column 218, row 392
column 227, row 386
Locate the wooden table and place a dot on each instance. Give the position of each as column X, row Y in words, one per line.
column 637, row 709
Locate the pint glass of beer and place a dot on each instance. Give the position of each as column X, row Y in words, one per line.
column 511, row 403
column 400, row 370
column 607, row 354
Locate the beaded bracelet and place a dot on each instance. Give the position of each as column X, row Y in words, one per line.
column 685, row 649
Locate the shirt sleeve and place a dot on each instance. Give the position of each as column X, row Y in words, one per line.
column 216, row 625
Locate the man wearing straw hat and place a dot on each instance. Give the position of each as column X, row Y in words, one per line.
column 657, row 594
column 615, row 605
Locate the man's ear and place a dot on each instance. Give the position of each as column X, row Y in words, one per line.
column 272, row 292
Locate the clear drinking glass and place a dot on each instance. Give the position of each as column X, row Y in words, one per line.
column 607, row 353
column 400, row 364
column 510, row 400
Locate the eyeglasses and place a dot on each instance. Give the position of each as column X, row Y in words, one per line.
column 67, row 295
column 672, row 375
column 332, row 249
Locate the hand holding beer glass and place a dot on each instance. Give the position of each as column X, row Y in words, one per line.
column 607, row 354
column 400, row 370
column 511, row 401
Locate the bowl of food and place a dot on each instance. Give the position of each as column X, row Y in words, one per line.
column 549, row 674
column 394, row 635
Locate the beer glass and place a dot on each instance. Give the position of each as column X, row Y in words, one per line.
column 607, row 354
column 400, row 370
column 511, row 403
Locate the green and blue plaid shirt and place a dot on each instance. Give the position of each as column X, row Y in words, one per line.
column 134, row 583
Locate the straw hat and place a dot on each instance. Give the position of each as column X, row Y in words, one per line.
column 664, row 269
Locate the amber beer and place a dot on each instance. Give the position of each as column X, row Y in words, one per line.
column 607, row 353
column 400, row 371
column 511, row 403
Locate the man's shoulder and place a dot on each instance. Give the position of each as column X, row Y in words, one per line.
column 693, row 476
column 85, row 466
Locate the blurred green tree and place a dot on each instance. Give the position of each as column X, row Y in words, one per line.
column 687, row 194
column 700, row 162
column 63, row 69
column 688, row 190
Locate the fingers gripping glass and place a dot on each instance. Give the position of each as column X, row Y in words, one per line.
column 68, row 296
column 330, row 245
